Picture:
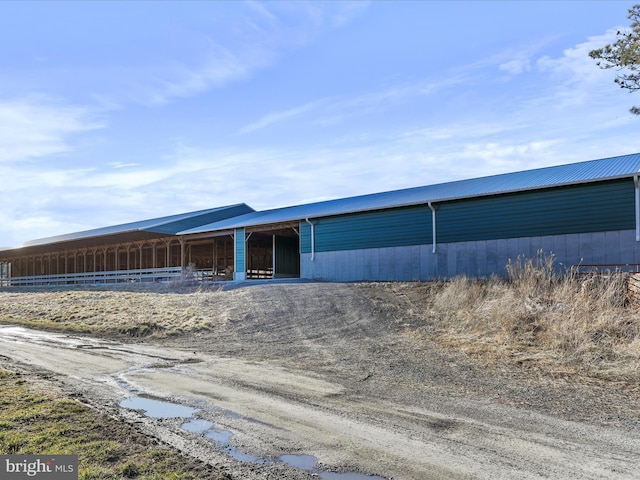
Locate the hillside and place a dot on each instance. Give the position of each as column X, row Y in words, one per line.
column 393, row 340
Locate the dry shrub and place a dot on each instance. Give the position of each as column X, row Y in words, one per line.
column 468, row 313
column 599, row 327
column 533, row 277
column 586, row 322
column 461, row 294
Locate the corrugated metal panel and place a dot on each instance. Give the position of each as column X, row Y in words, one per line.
column 604, row 206
column 167, row 225
column 305, row 237
column 393, row 227
column 576, row 173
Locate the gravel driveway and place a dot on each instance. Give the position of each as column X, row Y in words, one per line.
column 348, row 374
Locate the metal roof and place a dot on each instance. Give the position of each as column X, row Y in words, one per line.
column 569, row 174
column 241, row 215
column 141, row 230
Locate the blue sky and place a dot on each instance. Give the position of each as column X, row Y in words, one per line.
column 113, row 112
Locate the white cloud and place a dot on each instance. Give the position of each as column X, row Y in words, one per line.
column 219, row 68
column 516, row 66
column 339, row 108
column 262, row 11
column 460, row 131
column 575, row 68
column 463, row 130
column 347, row 11
column 123, row 165
column 281, row 116
column 252, row 40
column 31, row 128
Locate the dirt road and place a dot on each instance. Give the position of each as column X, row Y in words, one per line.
column 341, row 381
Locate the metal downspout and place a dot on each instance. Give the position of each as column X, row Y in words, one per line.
column 433, row 224
column 637, row 189
column 313, row 239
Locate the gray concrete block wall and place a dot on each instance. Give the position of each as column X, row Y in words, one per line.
column 475, row 259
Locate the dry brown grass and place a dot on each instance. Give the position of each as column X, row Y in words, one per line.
column 538, row 317
column 586, row 324
column 136, row 310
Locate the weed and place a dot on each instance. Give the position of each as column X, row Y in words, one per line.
column 130, row 470
column 37, row 421
column 585, row 322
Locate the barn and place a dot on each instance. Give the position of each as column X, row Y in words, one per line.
column 584, row 213
column 138, row 251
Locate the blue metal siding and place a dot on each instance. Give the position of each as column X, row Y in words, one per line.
column 595, row 207
column 239, row 250
column 394, row 227
column 305, row 237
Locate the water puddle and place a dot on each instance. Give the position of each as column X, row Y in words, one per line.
column 197, row 425
column 305, row 462
column 156, row 408
column 223, row 439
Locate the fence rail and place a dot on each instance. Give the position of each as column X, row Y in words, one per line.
column 117, row 276
column 259, row 273
column 605, row 268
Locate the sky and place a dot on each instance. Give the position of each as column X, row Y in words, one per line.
column 114, row 112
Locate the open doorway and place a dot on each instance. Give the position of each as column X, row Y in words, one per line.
column 273, row 254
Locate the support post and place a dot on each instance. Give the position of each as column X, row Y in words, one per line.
column 239, row 255
column 183, row 254
column 154, row 255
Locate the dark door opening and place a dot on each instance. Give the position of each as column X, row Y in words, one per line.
column 273, row 254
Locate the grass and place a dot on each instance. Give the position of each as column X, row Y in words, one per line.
column 38, row 421
column 587, row 324
column 139, row 310
column 538, row 316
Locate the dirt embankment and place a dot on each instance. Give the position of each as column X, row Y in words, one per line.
column 374, row 358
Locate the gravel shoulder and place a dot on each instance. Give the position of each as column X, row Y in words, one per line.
column 352, row 374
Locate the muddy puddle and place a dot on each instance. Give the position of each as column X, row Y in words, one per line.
column 156, row 408
column 221, row 438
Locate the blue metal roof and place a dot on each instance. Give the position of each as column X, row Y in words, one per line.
column 169, row 225
column 575, row 173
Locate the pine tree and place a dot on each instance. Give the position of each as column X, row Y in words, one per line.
column 624, row 55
